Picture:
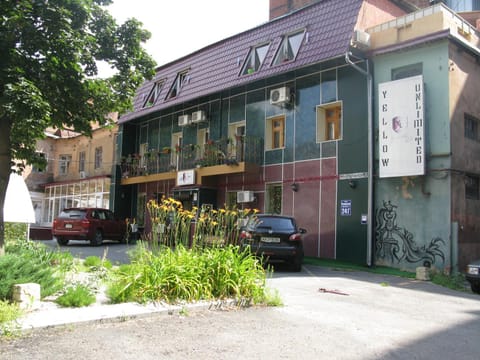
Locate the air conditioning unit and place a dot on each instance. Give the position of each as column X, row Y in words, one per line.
column 245, row 196
column 83, row 174
column 184, row 120
column 361, row 39
column 198, row 116
column 280, row 95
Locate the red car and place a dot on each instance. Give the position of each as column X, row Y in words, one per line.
column 91, row 224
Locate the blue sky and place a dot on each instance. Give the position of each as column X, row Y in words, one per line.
column 180, row 27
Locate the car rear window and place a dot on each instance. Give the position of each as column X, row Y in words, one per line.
column 275, row 223
column 72, row 214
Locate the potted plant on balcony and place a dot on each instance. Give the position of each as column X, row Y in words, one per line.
column 231, row 161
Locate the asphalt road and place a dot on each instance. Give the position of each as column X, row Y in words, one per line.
column 114, row 251
column 326, row 314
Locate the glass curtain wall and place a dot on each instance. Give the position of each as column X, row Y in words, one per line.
column 85, row 193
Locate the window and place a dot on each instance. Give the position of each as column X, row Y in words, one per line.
column 289, row 47
column 255, row 59
column 142, row 152
column 176, row 146
column 275, row 134
column 471, row 127
column 407, row 71
column 180, row 80
column 153, row 96
column 38, row 168
column 98, row 157
column 472, row 187
column 236, row 132
column 273, row 199
column 81, row 161
column 202, row 139
column 64, row 164
column 329, row 120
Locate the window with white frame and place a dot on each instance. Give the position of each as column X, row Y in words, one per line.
column 64, row 164
column 180, row 80
column 329, row 122
column 202, row 139
column 289, row 47
column 142, row 151
column 153, row 95
column 176, row 146
column 255, row 59
column 236, row 133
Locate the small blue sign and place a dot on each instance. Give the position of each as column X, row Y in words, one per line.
column 345, row 207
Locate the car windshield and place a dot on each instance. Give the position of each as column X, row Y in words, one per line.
column 72, row 214
column 276, row 223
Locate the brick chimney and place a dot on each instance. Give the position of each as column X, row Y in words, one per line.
column 283, row 7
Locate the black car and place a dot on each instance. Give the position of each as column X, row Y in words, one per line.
column 473, row 276
column 276, row 238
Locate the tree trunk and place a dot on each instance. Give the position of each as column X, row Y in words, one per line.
column 5, row 170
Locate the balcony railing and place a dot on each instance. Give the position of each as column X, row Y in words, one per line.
column 229, row 151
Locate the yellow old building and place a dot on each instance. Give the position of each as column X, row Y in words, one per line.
column 78, row 171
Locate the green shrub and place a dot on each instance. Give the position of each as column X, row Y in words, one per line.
column 15, row 231
column 453, row 281
column 189, row 275
column 17, row 270
column 76, row 295
column 40, row 253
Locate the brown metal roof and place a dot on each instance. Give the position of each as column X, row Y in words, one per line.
column 329, row 26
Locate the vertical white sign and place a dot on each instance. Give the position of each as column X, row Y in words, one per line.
column 401, row 127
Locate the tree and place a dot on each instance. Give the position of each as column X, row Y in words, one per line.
column 49, row 74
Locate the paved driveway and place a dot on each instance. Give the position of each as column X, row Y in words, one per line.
column 356, row 316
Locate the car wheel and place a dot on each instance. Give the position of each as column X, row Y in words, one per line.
column 61, row 241
column 297, row 263
column 98, row 238
column 475, row 287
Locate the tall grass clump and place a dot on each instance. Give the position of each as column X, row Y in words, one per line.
column 182, row 274
column 9, row 313
column 172, row 225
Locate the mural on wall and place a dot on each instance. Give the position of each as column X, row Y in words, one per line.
column 396, row 244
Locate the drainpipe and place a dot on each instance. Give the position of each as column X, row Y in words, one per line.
column 369, row 154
